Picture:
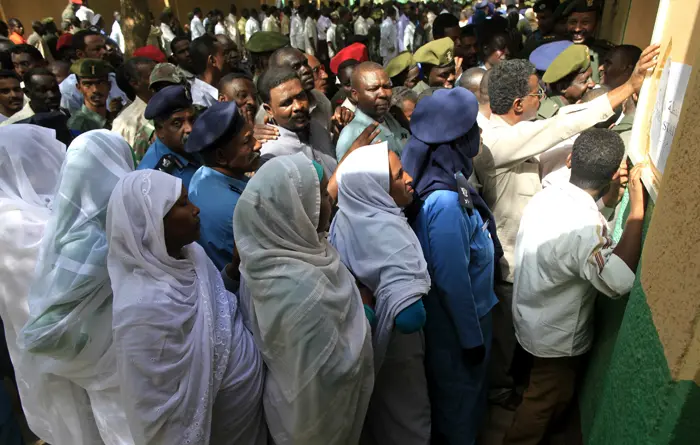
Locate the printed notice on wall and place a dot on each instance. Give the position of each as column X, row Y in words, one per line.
column 667, row 110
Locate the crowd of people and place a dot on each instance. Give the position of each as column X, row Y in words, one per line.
column 302, row 225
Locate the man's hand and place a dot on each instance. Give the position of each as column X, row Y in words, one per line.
column 115, row 105
column 646, row 62
column 458, row 66
column 340, row 119
column 618, row 186
column 365, row 138
column 265, row 132
column 636, row 192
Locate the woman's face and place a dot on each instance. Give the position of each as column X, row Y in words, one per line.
column 400, row 182
column 324, row 215
column 181, row 223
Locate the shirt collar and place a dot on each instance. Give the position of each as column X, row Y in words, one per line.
column 161, row 147
column 238, row 184
column 578, row 194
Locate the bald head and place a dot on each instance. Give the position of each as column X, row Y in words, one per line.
column 371, row 90
column 281, row 57
column 483, row 96
column 362, row 71
column 471, row 80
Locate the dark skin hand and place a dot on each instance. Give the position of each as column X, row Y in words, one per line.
column 365, row 138
column 629, row 249
column 265, row 132
column 340, row 119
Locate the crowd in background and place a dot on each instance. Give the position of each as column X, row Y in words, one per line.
column 345, row 224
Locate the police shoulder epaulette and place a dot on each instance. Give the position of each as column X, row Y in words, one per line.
column 168, row 164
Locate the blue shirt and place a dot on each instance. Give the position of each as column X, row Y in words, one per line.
column 154, row 154
column 216, row 195
column 459, row 252
column 390, row 131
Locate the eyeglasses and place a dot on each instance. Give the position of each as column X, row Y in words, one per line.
column 540, row 94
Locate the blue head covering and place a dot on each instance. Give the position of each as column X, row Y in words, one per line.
column 544, row 55
column 220, row 122
column 445, row 138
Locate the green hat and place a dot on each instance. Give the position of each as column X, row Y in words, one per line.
column 574, row 59
column 439, row 52
column 47, row 20
column 91, row 68
column 399, row 63
column 166, row 72
column 266, row 41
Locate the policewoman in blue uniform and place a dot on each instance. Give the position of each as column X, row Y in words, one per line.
column 223, row 139
column 173, row 115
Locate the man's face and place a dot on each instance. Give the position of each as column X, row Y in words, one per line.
column 531, row 103
column 182, row 53
column 141, row 84
column 176, row 129
column 95, row 90
column 581, row 83
column 11, row 95
column 230, row 53
column 411, row 77
column 442, row 77
column 374, row 95
column 24, row 62
column 545, row 21
column 289, row 106
column 614, row 71
column 319, row 72
column 296, row 61
column 581, row 26
column 94, row 48
column 454, row 33
column 44, row 93
column 242, row 153
column 243, row 92
column 469, row 51
column 345, row 77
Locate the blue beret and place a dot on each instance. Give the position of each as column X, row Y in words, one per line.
column 220, row 121
column 544, row 55
column 445, row 116
column 168, row 100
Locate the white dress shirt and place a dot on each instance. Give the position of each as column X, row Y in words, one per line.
column 203, row 94
column 231, row 25
column 117, row 36
column 270, row 24
column 330, row 40
column 322, row 26
column 296, row 33
column 251, row 27
column 219, row 29
column 166, row 38
column 564, row 257
column 197, row 28
column 310, row 36
column 361, row 26
column 409, row 34
column 72, row 99
column 387, row 42
column 85, row 14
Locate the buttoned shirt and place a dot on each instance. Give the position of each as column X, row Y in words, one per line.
column 251, row 27
column 322, row 26
column 197, row 28
column 167, row 38
column 564, row 257
column 296, row 33
column 202, row 93
column 387, row 42
column 389, row 130
column 270, row 24
column 310, row 36
column 216, row 195
column 72, row 99
column 184, row 168
column 318, row 147
column 361, row 27
column 330, row 40
column 508, row 167
column 232, row 30
column 130, row 121
column 401, row 24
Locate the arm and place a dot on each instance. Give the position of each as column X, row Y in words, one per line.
column 629, row 248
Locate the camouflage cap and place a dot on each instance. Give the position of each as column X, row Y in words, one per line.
column 166, row 72
column 399, row 63
column 438, row 52
column 574, row 59
column 91, row 68
column 266, row 41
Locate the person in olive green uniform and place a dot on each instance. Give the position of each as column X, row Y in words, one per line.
column 261, row 46
column 437, row 62
column 568, row 78
column 93, row 83
column 402, row 70
column 582, row 24
column 551, row 26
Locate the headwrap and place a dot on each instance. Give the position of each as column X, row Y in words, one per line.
column 178, row 334
column 306, row 313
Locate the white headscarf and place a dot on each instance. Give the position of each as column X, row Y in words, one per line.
column 176, row 329
column 375, row 241
column 70, row 299
column 30, row 162
column 306, row 312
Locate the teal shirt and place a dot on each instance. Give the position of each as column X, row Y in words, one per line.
column 216, row 195
column 389, row 131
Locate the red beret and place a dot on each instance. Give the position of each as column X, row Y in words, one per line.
column 66, row 39
column 77, row 2
column 356, row 51
column 151, row 52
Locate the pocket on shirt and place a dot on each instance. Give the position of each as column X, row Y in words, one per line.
column 481, row 247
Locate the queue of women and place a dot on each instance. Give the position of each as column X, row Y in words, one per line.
column 122, row 330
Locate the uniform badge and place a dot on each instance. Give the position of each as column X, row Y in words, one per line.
column 448, row 56
column 589, row 3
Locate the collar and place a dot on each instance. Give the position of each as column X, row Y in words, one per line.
column 93, row 115
column 366, row 119
column 578, row 194
column 210, row 89
column 235, row 185
column 164, row 149
column 498, row 121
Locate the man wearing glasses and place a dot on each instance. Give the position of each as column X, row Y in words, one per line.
column 509, row 171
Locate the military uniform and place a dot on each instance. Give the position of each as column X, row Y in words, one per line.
column 159, row 156
column 573, row 59
column 439, row 53
column 598, row 49
column 549, row 107
column 216, row 193
column 86, row 119
column 399, row 64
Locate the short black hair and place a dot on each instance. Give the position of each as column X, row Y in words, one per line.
column 595, row 158
column 177, row 40
column 197, row 10
column 40, row 71
column 27, row 49
column 493, row 42
column 166, row 16
column 509, row 80
column 230, row 77
column 442, row 22
column 468, row 31
column 129, row 72
column 78, row 42
column 272, row 78
column 347, row 63
column 232, row 9
column 201, row 49
column 9, row 74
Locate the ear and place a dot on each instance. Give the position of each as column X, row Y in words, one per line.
column 268, row 110
column 518, row 105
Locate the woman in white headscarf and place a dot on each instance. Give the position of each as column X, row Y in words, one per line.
column 30, row 163
column 305, row 311
column 70, row 300
column 379, row 247
column 189, row 371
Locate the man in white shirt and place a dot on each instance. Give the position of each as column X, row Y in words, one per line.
column 251, row 26
column 564, row 257
column 167, row 20
column 84, row 13
column 219, row 28
column 196, row 25
column 209, row 65
column 116, row 33
column 330, row 35
column 322, row 25
column 231, row 24
column 270, row 23
column 361, row 24
column 310, row 33
column 296, row 31
column 387, row 42
column 508, row 168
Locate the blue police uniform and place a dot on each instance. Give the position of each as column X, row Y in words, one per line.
column 160, row 157
column 216, row 195
column 214, row 192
